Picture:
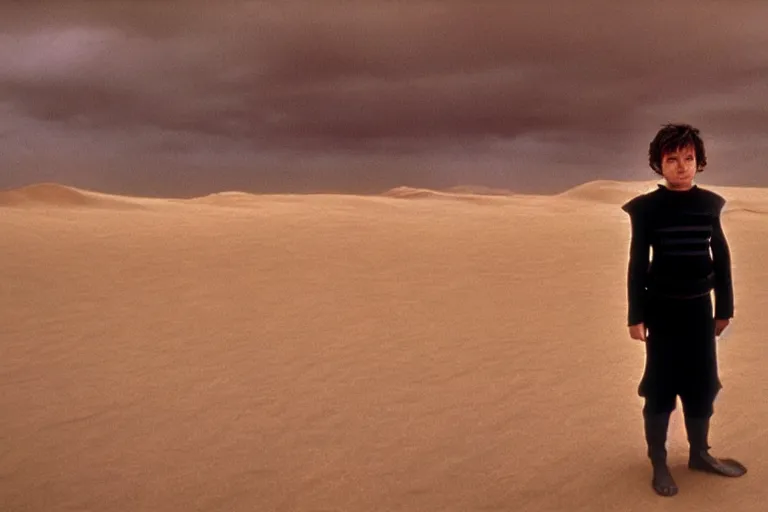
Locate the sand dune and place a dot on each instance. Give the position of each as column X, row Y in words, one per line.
column 422, row 193
column 57, row 195
column 479, row 189
column 348, row 353
column 740, row 199
column 609, row 191
column 229, row 198
column 599, row 191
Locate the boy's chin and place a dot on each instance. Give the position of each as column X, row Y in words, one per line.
column 680, row 183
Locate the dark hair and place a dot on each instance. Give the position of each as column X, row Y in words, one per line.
column 673, row 137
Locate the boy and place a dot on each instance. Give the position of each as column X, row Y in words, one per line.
column 670, row 306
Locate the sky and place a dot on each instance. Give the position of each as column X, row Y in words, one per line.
column 179, row 98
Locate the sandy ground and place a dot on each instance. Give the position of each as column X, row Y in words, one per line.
column 414, row 351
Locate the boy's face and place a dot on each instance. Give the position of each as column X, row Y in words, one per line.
column 679, row 168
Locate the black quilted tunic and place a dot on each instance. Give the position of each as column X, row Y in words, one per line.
column 670, row 291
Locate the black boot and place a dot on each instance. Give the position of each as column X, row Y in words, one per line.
column 656, row 426
column 699, row 458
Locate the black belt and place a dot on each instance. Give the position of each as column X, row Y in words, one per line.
column 675, row 296
column 704, row 282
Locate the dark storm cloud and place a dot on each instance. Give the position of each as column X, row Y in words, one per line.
column 569, row 78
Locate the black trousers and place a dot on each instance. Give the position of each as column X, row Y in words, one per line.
column 681, row 356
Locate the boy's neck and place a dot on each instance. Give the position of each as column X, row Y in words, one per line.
column 684, row 188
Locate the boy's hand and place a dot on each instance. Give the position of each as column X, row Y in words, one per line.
column 720, row 325
column 637, row 331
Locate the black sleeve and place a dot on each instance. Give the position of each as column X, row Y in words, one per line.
column 721, row 257
column 639, row 254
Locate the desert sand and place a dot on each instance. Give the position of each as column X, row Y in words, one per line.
column 417, row 350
